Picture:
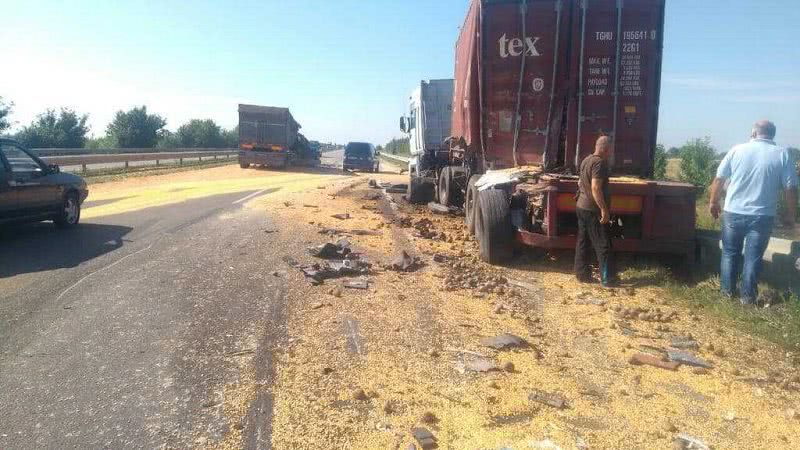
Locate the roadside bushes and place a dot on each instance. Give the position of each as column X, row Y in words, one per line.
column 660, row 163
column 699, row 161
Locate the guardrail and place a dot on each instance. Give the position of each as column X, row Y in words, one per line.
column 401, row 159
column 41, row 152
column 126, row 158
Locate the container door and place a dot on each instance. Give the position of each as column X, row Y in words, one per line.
column 522, row 56
column 618, row 55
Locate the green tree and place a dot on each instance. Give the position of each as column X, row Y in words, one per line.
column 94, row 143
column 200, row 133
column 660, row 163
column 398, row 146
column 230, row 138
column 5, row 111
column 168, row 139
column 65, row 129
column 135, row 128
column 674, row 152
column 699, row 161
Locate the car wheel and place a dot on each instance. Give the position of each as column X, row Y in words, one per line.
column 70, row 213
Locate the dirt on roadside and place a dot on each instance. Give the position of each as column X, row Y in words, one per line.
column 413, row 353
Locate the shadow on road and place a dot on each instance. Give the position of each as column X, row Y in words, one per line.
column 41, row 247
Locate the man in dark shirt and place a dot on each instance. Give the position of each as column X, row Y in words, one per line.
column 594, row 216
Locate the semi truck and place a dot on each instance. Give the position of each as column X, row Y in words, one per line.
column 269, row 136
column 427, row 125
column 536, row 83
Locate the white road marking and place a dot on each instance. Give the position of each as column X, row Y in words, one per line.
column 104, row 268
column 254, row 194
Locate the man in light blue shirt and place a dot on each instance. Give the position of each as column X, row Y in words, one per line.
column 756, row 172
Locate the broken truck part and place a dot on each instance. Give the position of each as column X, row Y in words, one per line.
column 536, row 83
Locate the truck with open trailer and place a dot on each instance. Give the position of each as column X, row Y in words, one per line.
column 270, row 136
column 536, row 83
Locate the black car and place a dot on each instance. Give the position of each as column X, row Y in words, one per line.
column 31, row 191
column 360, row 156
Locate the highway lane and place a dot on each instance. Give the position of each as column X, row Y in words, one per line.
column 126, row 331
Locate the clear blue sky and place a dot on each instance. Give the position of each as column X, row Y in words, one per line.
column 346, row 67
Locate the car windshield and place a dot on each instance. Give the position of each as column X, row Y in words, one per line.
column 358, row 150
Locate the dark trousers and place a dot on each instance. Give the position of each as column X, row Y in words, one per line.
column 593, row 235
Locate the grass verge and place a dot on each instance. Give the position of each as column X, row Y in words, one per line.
column 779, row 323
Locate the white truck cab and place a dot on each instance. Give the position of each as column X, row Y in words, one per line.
column 430, row 109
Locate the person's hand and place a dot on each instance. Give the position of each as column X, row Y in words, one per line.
column 605, row 217
column 715, row 209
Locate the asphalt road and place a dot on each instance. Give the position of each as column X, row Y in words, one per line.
column 123, row 332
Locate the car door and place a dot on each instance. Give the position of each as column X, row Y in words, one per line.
column 34, row 195
column 8, row 198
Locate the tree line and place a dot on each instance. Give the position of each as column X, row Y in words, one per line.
column 134, row 128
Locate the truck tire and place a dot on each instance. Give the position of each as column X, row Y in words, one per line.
column 493, row 226
column 470, row 204
column 443, row 187
column 420, row 190
column 244, row 165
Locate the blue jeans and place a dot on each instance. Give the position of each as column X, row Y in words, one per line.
column 751, row 233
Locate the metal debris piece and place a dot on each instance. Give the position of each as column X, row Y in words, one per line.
column 504, row 341
column 290, row 261
column 344, row 216
column 480, row 365
column 438, row 208
column 684, row 342
column 405, row 263
column 650, row 360
column 373, row 196
column 424, row 438
column 397, row 189
column 687, row 358
column 317, row 273
column 341, row 249
column 356, row 284
column 555, row 400
column 686, row 442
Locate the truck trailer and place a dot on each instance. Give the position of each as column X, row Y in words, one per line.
column 268, row 136
column 536, row 83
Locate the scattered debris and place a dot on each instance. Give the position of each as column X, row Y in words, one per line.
column 700, row 371
column 339, row 250
column 684, row 342
column 687, row 358
column 390, row 407
column 424, row 438
column 359, row 395
column 405, row 263
column 555, row 400
column 327, row 371
column 685, row 442
column 310, row 206
column 287, row 204
column 335, row 291
column 317, row 305
column 356, row 284
column 508, row 367
column 479, row 365
column 438, row 208
column 373, row 196
column 397, row 188
column 645, row 359
column 344, row 216
column 504, row 341
column 429, row 418
column 317, row 273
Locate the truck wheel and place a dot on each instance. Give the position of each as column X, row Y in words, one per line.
column 444, row 186
column 493, row 226
column 420, row 190
column 470, row 205
column 244, row 165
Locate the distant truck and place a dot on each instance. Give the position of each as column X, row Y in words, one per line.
column 270, row 137
column 430, row 108
column 360, row 156
column 537, row 82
